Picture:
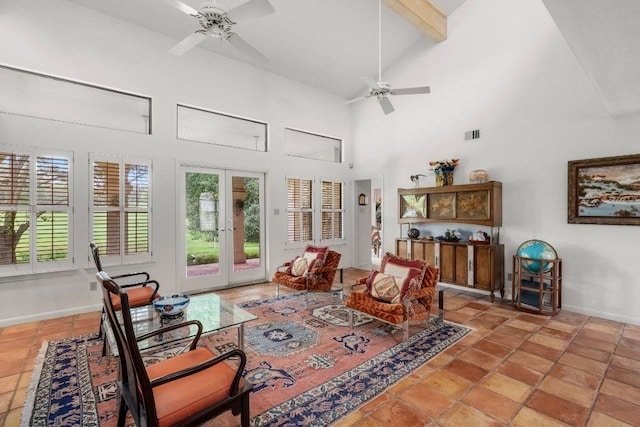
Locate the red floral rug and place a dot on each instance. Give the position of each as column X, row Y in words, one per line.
column 308, row 367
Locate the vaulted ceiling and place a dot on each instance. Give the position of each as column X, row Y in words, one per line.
column 332, row 44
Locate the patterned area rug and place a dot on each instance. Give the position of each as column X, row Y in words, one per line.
column 307, row 365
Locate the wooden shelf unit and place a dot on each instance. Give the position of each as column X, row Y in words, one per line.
column 460, row 263
column 537, row 292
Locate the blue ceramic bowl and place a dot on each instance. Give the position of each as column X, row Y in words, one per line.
column 169, row 306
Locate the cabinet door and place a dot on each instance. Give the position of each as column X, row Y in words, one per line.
column 461, row 265
column 402, row 248
column 423, row 251
column 483, row 257
column 447, row 262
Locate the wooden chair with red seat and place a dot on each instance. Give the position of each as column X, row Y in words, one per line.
column 309, row 273
column 185, row 389
column 140, row 289
column 400, row 293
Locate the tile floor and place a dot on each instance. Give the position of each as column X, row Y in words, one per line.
column 514, row 369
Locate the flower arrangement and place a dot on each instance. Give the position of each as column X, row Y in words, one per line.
column 439, row 165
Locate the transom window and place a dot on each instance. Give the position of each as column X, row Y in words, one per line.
column 299, row 143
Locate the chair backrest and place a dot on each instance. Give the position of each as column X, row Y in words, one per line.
column 331, row 264
column 95, row 252
column 135, row 384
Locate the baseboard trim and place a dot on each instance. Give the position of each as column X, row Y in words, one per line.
column 50, row 315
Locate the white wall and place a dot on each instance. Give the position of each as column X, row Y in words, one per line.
column 60, row 38
column 506, row 70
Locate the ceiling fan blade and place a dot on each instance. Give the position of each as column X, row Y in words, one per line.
column 189, row 43
column 411, row 90
column 243, row 46
column 251, row 9
column 386, row 105
column 370, row 82
column 184, row 8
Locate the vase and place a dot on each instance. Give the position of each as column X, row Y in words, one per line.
column 444, row 176
column 478, row 176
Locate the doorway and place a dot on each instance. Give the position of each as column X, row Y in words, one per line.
column 220, row 228
column 368, row 223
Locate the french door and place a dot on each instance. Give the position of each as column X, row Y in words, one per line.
column 220, row 228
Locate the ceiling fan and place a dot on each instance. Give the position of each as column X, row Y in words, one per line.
column 216, row 21
column 381, row 89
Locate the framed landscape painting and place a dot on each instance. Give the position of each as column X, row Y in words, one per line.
column 605, row 190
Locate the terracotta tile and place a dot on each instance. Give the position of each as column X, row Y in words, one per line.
column 9, row 383
column 466, row 370
column 606, row 322
column 540, row 350
column 5, row 401
column 528, row 417
column 440, row 360
column 492, row 317
column 14, row 354
column 590, row 353
column 13, row 418
column 478, row 306
column 457, row 317
column 520, row 373
column 589, row 365
column 493, row 348
column 631, row 334
column 560, row 326
column 403, row 384
column 423, row 371
column 594, row 343
column 375, row 403
column 571, row 318
column 598, row 419
column 19, row 398
column 626, row 363
column 25, row 379
column 515, row 332
column 621, row 391
column 566, row 390
column 11, row 367
column 349, row 420
column 507, row 387
column 448, row 383
column 557, row 407
column 535, row 319
column 555, row 333
column 624, row 376
column 604, row 329
column 426, row 399
column 398, row 413
column 530, row 361
column 481, row 323
column 505, row 339
column 618, row 409
column 480, row 358
column 548, row 341
column 575, row 376
column 468, row 311
column 630, row 352
column 522, row 324
column 491, row 403
column 597, row 335
column 463, row 415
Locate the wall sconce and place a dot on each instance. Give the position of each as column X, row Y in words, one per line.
column 362, row 200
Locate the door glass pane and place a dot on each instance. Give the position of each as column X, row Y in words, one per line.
column 246, row 223
column 203, row 242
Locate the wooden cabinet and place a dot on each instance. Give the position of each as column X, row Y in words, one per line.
column 479, row 204
column 460, row 263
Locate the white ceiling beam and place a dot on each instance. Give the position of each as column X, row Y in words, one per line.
column 423, row 15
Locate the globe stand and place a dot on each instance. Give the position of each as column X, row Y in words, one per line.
column 537, row 290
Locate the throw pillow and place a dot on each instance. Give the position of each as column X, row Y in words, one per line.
column 299, row 266
column 384, row 287
column 316, row 256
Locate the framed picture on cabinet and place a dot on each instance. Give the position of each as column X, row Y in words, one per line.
column 604, row 190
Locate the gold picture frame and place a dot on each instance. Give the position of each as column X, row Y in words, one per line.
column 604, row 190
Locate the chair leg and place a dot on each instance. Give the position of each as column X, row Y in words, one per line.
column 406, row 330
column 122, row 412
column 351, row 317
column 100, row 331
column 278, row 290
column 245, row 416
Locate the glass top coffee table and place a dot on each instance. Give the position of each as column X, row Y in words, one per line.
column 214, row 313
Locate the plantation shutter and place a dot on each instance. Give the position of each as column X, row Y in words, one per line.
column 121, row 207
column 299, row 210
column 35, row 211
column 332, row 210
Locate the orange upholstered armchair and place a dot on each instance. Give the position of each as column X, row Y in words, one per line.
column 401, row 292
column 185, row 389
column 315, row 270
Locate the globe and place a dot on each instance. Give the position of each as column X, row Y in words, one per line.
column 536, row 251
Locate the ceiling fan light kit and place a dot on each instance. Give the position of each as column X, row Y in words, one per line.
column 217, row 22
column 381, row 89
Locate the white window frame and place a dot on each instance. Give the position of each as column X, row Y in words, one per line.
column 332, row 240
column 296, row 243
column 35, row 266
column 299, row 138
column 122, row 258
